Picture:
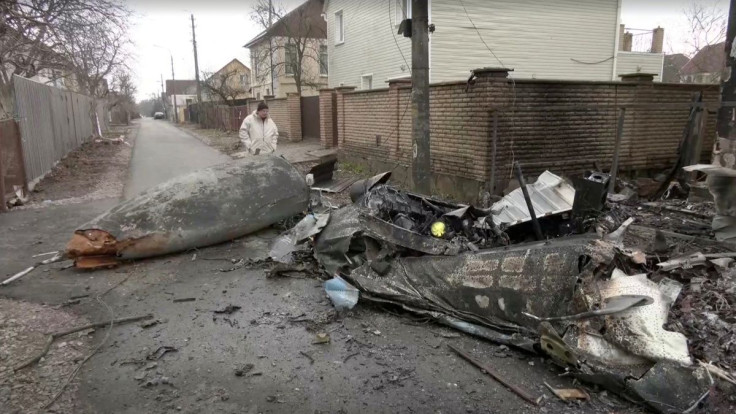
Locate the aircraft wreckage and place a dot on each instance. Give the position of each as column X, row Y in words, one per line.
column 562, row 295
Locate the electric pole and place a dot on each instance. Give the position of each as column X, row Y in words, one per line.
column 163, row 95
column 173, row 81
column 196, row 65
column 420, row 167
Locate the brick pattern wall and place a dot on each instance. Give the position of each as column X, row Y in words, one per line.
column 327, row 102
column 294, row 122
column 566, row 127
column 278, row 110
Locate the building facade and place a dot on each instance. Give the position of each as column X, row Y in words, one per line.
column 538, row 39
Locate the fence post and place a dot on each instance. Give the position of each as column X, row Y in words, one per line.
column 294, row 108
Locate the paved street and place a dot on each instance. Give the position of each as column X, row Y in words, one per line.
column 162, row 152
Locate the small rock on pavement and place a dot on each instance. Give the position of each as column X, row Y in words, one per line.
column 244, row 369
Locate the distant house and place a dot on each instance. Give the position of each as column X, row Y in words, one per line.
column 707, row 66
column 301, row 35
column 229, row 83
column 183, row 92
column 673, row 64
column 561, row 39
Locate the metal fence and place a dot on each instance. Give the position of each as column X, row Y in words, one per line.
column 12, row 170
column 53, row 122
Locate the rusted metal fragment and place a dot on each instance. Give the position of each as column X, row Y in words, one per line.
column 205, row 207
column 96, row 262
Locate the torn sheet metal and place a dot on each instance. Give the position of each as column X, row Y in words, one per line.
column 205, row 207
column 640, row 330
column 550, row 195
column 491, row 287
column 722, row 185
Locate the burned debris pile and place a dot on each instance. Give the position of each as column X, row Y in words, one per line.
column 604, row 292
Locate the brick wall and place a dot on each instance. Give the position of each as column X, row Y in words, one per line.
column 328, row 118
column 278, row 110
column 294, row 123
column 566, row 127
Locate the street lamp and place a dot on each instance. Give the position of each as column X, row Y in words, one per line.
column 173, row 79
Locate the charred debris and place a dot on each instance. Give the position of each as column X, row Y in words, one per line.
column 634, row 297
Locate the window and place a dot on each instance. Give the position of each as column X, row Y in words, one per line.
column 290, row 60
column 243, row 80
column 323, row 60
column 403, row 10
column 366, row 82
column 339, row 28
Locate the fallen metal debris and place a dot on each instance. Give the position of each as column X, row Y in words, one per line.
column 206, row 207
column 493, row 374
column 550, row 195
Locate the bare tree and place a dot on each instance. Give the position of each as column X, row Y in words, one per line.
column 81, row 41
column 224, row 86
column 293, row 48
column 706, row 25
column 122, row 95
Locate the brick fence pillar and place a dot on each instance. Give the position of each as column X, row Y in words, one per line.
column 327, row 118
column 294, row 125
column 340, row 104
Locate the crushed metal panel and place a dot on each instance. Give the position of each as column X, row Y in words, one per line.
column 550, row 194
column 492, row 286
column 671, row 388
column 205, row 207
column 390, row 233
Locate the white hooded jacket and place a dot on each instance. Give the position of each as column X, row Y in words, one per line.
column 259, row 134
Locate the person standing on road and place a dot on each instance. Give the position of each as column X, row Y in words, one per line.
column 258, row 133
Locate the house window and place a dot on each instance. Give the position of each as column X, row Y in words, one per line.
column 243, row 80
column 323, row 60
column 339, row 28
column 290, row 61
column 366, row 82
column 403, row 10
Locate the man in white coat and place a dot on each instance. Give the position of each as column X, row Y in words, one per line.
column 258, row 133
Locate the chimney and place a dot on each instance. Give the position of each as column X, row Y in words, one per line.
column 657, row 40
column 621, row 31
column 628, row 41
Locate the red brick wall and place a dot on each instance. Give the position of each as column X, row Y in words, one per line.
column 566, row 127
column 327, row 102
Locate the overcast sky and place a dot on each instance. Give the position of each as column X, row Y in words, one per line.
column 224, row 26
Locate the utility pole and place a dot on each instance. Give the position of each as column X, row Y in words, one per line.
column 173, row 81
column 270, row 47
column 196, row 65
column 420, row 96
column 163, row 94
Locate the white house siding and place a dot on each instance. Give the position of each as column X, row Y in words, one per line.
column 633, row 62
column 537, row 38
column 369, row 47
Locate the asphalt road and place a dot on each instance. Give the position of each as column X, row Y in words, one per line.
column 163, row 151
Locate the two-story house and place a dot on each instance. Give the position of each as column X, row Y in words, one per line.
column 291, row 55
column 229, row 83
column 561, row 39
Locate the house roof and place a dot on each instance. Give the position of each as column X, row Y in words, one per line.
column 672, row 66
column 709, row 59
column 304, row 21
column 181, row 87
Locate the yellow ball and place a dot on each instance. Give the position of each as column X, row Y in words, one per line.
column 438, row 229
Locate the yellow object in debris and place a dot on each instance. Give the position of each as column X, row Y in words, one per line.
column 438, row 229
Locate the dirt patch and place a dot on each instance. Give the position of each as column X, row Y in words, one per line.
column 226, row 142
column 95, row 171
column 23, row 329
